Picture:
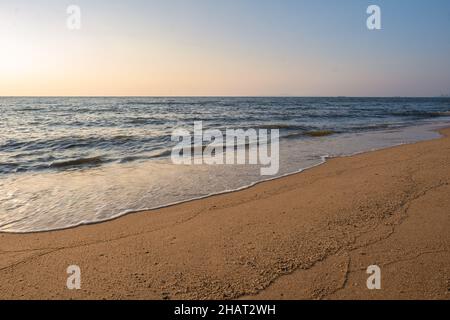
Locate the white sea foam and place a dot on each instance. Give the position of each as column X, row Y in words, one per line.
column 40, row 201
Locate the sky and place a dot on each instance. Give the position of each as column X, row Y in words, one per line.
column 224, row 48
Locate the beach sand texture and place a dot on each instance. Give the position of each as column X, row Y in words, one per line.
column 310, row 235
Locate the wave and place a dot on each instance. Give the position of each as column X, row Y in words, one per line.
column 64, row 143
column 443, row 113
column 164, row 153
column 78, row 162
column 311, row 133
column 280, row 126
column 420, row 114
column 172, row 102
column 140, row 121
column 155, row 155
column 320, row 133
column 26, row 109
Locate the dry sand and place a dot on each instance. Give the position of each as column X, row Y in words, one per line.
column 307, row 236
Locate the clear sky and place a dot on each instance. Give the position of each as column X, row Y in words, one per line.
column 225, row 47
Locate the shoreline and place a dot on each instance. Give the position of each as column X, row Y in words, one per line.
column 235, row 244
column 324, row 159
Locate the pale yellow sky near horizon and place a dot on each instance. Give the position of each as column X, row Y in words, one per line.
column 74, row 65
column 77, row 64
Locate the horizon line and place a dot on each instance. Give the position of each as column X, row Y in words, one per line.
column 216, row 96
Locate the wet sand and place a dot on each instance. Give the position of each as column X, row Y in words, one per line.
column 310, row 235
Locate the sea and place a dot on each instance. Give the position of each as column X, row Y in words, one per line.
column 70, row 161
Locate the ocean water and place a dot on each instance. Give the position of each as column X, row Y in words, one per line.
column 71, row 161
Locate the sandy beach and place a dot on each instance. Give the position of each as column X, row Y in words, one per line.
column 310, row 235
